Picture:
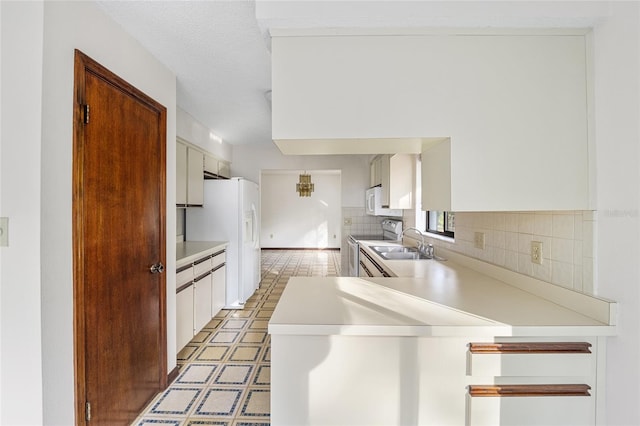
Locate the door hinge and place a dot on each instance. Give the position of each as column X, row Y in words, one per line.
column 88, row 411
column 85, row 111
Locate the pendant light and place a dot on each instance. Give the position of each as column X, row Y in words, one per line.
column 304, row 187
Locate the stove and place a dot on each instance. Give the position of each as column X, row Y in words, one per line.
column 391, row 231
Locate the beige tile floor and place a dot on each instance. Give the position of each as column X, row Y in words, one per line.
column 224, row 374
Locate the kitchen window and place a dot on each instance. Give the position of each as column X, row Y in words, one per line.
column 441, row 223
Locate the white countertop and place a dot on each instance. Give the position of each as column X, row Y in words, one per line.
column 442, row 299
column 188, row 251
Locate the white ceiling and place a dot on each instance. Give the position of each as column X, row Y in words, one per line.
column 219, row 49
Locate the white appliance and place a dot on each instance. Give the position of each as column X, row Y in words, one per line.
column 231, row 212
column 391, row 231
column 373, row 204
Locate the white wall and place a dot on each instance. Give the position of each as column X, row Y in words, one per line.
column 288, row 220
column 249, row 160
column 20, row 315
column 617, row 74
column 495, row 96
column 67, row 26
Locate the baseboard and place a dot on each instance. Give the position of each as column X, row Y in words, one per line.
column 173, row 374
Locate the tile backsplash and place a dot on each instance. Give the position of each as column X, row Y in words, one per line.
column 567, row 243
column 356, row 222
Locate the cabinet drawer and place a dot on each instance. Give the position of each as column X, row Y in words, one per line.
column 184, row 277
column 530, row 410
column 531, row 359
column 218, row 258
column 201, row 266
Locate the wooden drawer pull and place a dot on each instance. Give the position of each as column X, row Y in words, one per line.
column 530, row 348
column 528, row 390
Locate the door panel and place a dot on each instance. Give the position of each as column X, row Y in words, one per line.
column 119, row 225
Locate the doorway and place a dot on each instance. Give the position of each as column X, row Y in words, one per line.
column 119, row 152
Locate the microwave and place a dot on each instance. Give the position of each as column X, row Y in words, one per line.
column 373, row 204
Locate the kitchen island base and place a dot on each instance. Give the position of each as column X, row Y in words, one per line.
column 453, row 347
column 404, row 380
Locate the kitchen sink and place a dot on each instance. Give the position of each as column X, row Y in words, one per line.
column 394, row 249
column 401, row 253
column 406, row 255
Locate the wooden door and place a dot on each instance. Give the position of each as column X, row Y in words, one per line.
column 119, row 234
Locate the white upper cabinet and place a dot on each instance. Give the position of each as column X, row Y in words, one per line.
column 215, row 168
column 513, row 106
column 394, row 174
column 181, row 174
column 195, row 172
column 210, row 165
column 189, row 175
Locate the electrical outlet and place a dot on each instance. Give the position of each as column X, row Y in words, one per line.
column 478, row 240
column 347, row 221
column 536, row 252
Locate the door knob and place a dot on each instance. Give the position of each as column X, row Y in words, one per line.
column 157, row 268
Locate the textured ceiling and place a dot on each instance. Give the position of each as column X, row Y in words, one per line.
column 218, row 54
column 219, row 49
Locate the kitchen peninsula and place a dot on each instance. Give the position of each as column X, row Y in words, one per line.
column 454, row 342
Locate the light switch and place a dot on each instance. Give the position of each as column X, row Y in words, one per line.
column 4, row 231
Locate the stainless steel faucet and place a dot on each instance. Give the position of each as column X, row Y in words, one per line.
column 425, row 249
column 421, row 246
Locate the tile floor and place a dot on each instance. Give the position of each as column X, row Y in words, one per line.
column 225, row 370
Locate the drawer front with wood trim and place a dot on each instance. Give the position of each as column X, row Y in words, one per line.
column 218, row 258
column 184, row 275
column 201, row 266
column 531, row 359
column 529, row 382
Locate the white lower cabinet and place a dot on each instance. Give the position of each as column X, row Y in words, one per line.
column 184, row 317
column 532, row 382
column 368, row 267
column 202, row 301
column 437, row 381
column 200, row 294
column 219, row 288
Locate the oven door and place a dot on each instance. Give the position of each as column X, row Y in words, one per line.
column 353, row 257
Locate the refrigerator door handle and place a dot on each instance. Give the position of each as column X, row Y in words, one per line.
column 254, row 221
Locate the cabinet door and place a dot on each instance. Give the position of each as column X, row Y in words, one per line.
column 202, row 301
column 436, row 177
column 181, row 174
column 224, row 169
column 219, row 288
column 195, row 184
column 385, row 175
column 401, row 177
column 211, row 164
column 375, row 171
column 184, row 317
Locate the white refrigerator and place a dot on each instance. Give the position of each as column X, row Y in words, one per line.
column 231, row 213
